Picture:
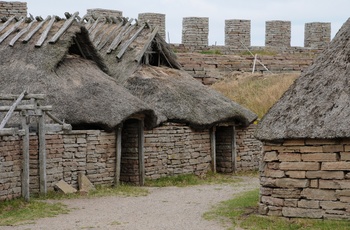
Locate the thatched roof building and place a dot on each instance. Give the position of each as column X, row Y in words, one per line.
column 317, row 105
column 55, row 57
column 139, row 58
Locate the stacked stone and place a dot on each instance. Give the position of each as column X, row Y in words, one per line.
column 278, row 34
column 306, row 178
column 10, row 167
column 174, row 149
column 195, row 31
column 8, row 9
column 97, row 12
column 154, row 20
column 248, row 149
column 237, row 31
column 224, row 161
column 317, row 35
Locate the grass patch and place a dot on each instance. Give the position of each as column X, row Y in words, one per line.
column 241, row 212
column 18, row 211
column 216, row 52
column 264, row 52
column 191, row 179
column 258, row 92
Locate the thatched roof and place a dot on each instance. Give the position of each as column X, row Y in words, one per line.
column 317, row 105
column 139, row 58
column 68, row 70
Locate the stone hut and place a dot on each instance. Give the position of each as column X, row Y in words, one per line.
column 198, row 133
column 55, row 57
column 306, row 159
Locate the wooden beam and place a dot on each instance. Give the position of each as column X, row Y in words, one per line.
column 213, row 149
column 31, row 33
column 23, row 31
column 7, row 23
column 141, row 141
column 93, row 24
column 8, row 131
column 140, row 54
column 234, row 150
column 118, row 154
column 97, row 29
column 128, row 43
column 28, row 96
column 120, row 36
column 12, row 29
column 25, row 163
column 5, row 108
column 110, row 35
column 65, row 26
column 45, row 33
column 42, row 154
column 12, row 109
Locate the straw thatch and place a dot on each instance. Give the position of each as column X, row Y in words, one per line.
column 79, row 91
column 317, row 105
column 149, row 69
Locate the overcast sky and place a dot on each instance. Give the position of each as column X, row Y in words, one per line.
column 298, row 12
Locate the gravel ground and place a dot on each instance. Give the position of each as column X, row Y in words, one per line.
column 166, row 208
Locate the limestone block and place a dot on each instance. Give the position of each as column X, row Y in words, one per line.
column 311, row 149
column 296, row 174
column 263, row 209
column 273, row 173
column 308, row 203
column 313, row 183
column 290, row 202
column 302, row 212
column 335, row 166
column 286, row 193
column 292, row 183
column 334, row 205
column 289, row 157
column 270, row 156
column 345, row 156
column 325, row 174
column 321, row 157
column 300, row 166
column 272, row 201
column 299, row 142
column 318, row 194
column 334, row 184
column 333, row 148
column 267, row 182
column 65, row 188
column 84, row 183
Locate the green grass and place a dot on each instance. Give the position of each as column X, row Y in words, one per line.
column 241, row 211
column 264, row 52
column 18, row 211
column 191, row 179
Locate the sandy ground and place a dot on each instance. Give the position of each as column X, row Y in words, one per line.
column 166, row 208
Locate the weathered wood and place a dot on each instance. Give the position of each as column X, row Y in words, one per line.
column 213, row 148
column 96, row 30
column 13, row 28
column 8, row 131
column 140, row 54
column 25, row 164
column 94, row 24
column 120, row 36
column 54, row 118
column 11, row 110
column 28, row 96
column 46, row 32
column 102, row 44
column 118, row 154
column 141, row 141
column 23, row 31
column 26, row 107
column 128, row 43
column 65, row 26
column 234, row 150
column 7, row 23
column 42, row 154
column 31, row 33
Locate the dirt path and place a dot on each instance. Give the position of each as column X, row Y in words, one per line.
column 163, row 209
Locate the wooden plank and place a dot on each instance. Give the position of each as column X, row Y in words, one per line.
column 120, row 36
column 55, row 119
column 94, row 24
column 42, row 155
column 11, row 110
column 28, row 96
column 36, row 29
column 234, row 150
column 140, row 54
column 12, row 29
column 97, row 29
column 213, row 149
column 118, row 154
column 23, row 31
column 65, row 26
column 8, row 131
column 128, row 43
column 45, row 33
column 102, row 44
column 25, row 163
column 141, row 141
column 5, row 108
column 7, row 23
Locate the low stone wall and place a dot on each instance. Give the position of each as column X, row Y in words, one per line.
column 8, row 9
column 306, row 178
column 174, row 149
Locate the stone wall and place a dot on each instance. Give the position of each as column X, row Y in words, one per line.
column 278, row 34
column 174, row 149
column 317, row 35
column 225, row 163
column 8, row 9
column 154, row 20
column 195, row 31
column 97, row 12
column 237, row 31
column 306, row 178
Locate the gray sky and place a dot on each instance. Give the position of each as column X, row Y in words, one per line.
column 298, row 12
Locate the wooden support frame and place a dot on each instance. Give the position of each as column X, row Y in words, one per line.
column 141, row 141
column 42, row 154
column 118, row 154
column 25, row 163
column 213, row 148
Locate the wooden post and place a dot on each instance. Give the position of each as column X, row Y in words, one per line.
column 42, row 154
column 254, row 63
column 141, row 140
column 233, row 149
column 213, row 148
column 25, row 165
column 118, row 154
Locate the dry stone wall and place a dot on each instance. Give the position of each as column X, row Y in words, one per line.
column 237, row 32
column 8, row 9
column 97, row 12
column 278, row 34
column 306, row 178
column 195, row 31
column 154, row 20
column 317, row 35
